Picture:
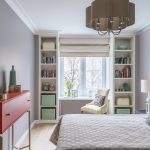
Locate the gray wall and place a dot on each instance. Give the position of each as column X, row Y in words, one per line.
column 142, row 65
column 137, row 80
column 16, row 48
column 71, row 106
column 36, row 106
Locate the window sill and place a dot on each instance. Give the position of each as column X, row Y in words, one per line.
column 75, row 98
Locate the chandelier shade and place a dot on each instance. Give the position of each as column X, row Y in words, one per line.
column 119, row 8
column 131, row 14
column 107, row 16
column 88, row 17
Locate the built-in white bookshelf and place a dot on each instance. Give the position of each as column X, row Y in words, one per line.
column 48, row 77
column 123, row 82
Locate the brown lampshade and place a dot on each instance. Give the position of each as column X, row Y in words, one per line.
column 88, row 17
column 119, row 14
column 89, row 23
column 110, row 15
column 131, row 14
column 100, row 9
column 119, row 8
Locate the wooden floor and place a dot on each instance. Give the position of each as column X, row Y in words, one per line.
column 40, row 135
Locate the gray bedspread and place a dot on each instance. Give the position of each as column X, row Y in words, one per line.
column 103, row 132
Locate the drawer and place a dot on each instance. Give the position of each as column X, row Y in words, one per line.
column 14, row 109
column 20, row 105
column 123, row 110
column 48, row 100
column 7, row 116
column 48, row 113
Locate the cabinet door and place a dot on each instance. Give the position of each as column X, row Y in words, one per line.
column 48, row 113
column 48, row 100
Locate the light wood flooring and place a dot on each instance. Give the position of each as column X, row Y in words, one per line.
column 40, row 135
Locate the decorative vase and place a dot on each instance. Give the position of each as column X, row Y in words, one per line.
column 69, row 92
column 12, row 80
column 126, row 87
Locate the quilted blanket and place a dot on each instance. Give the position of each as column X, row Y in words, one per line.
column 103, row 132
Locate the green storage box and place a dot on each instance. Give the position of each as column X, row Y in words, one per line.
column 123, row 111
column 48, row 113
column 48, row 100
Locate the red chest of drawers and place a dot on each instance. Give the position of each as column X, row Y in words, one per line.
column 13, row 108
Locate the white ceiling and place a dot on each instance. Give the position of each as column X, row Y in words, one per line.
column 68, row 16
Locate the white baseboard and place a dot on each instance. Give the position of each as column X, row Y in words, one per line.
column 24, row 135
column 36, row 121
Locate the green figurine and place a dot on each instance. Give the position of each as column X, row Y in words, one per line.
column 12, row 80
column 126, row 87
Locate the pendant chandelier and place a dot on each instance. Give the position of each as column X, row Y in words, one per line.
column 110, row 16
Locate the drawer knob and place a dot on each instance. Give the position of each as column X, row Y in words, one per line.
column 7, row 114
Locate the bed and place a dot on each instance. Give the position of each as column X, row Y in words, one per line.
column 102, row 132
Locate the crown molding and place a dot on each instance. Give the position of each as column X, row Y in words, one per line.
column 44, row 32
column 128, row 32
column 143, row 29
column 18, row 9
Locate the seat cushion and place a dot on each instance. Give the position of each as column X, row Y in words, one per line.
column 91, row 109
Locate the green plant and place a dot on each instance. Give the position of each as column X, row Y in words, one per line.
column 69, row 85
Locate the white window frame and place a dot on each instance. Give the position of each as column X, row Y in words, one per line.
column 82, row 88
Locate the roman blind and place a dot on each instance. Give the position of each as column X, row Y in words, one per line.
column 84, row 47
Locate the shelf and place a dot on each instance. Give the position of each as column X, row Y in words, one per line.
column 123, row 106
column 48, row 91
column 48, row 50
column 123, row 64
column 124, row 92
column 124, row 71
column 123, row 51
column 123, row 78
column 48, row 64
column 49, row 78
column 48, row 106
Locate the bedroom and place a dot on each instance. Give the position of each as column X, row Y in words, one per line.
column 22, row 22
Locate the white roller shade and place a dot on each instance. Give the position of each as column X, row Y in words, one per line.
column 84, row 47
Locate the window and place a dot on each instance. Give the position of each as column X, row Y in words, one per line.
column 85, row 74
